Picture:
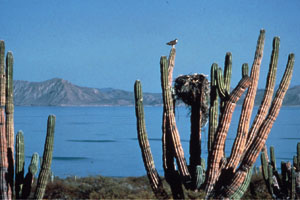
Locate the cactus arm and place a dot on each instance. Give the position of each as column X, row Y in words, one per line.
column 20, row 162
column 227, row 71
column 170, row 118
column 171, row 65
column 266, row 126
column 240, row 140
column 32, row 170
column 218, row 147
column 227, row 77
column 243, row 188
column 260, row 139
column 3, row 141
column 213, row 110
column 270, row 180
column 155, row 181
column 264, row 165
column 221, row 85
column 293, row 184
column 245, row 69
column 270, row 84
column 272, row 156
column 47, row 159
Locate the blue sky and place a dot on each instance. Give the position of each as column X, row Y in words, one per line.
column 110, row 43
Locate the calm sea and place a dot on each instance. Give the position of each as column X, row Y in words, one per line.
column 103, row 140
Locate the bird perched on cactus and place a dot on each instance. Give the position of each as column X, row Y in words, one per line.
column 173, row 43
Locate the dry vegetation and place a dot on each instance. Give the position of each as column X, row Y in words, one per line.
column 99, row 187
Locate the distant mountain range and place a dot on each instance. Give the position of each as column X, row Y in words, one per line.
column 59, row 92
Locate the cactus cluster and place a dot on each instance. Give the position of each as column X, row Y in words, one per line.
column 285, row 185
column 12, row 180
column 224, row 177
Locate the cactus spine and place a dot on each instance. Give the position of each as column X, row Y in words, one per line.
column 155, row 181
column 47, row 159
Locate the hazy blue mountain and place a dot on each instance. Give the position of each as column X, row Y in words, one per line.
column 292, row 97
column 59, row 92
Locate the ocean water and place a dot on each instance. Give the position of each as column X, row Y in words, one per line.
column 103, row 140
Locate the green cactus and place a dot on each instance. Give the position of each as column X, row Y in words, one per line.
column 200, row 176
column 272, row 157
column 155, row 181
column 298, row 157
column 221, row 85
column 225, row 177
column 293, row 184
column 32, row 170
column 214, row 109
column 227, row 71
column 264, row 165
column 9, row 110
column 47, row 159
column 20, row 162
column 243, row 188
column 282, row 186
column 245, row 70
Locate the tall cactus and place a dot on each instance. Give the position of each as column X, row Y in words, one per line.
column 47, row 159
column 226, row 177
column 9, row 110
column 155, row 181
column 4, row 192
column 171, row 123
column 213, row 109
column 7, row 139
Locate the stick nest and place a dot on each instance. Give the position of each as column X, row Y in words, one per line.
column 192, row 90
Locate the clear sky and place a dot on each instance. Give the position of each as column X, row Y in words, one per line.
column 111, row 43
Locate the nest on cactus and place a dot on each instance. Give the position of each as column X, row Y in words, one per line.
column 191, row 89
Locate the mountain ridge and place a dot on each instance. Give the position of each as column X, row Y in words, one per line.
column 60, row 92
